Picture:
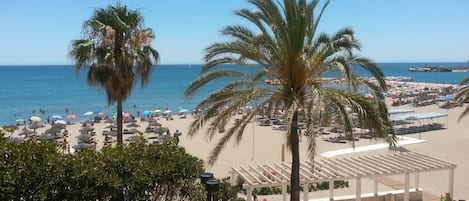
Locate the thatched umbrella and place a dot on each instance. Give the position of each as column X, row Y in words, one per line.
column 111, row 126
column 82, row 146
column 133, row 125
column 154, row 123
column 85, row 138
column 47, row 137
column 160, row 130
column 53, row 130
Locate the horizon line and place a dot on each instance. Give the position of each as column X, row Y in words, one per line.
column 253, row 63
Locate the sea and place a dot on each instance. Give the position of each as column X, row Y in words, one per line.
column 59, row 90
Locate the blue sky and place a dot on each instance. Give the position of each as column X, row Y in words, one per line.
column 39, row 32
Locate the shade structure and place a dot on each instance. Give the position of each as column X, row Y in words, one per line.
column 35, row 118
column 100, row 114
column 82, row 146
column 19, row 121
column 35, row 126
column 56, row 116
column 183, row 111
column 330, row 170
column 125, row 115
column 133, row 125
column 88, row 113
column 154, row 123
column 167, row 112
column 156, row 111
column 146, row 112
column 60, row 122
column 71, row 116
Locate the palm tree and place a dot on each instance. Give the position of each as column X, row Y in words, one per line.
column 117, row 52
column 462, row 96
column 288, row 51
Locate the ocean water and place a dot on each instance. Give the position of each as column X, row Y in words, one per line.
column 24, row 89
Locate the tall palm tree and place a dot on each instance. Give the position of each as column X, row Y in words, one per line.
column 289, row 52
column 462, row 96
column 116, row 50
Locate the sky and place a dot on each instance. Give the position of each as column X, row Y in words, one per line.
column 40, row 32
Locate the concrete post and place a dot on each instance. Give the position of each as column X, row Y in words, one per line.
column 331, row 190
column 305, row 192
column 249, row 194
column 358, row 192
column 451, row 182
column 284, row 193
column 417, row 180
column 406, row 187
column 375, row 186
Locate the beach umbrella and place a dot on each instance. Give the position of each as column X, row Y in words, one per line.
column 82, row 146
column 35, row 126
column 88, row 113
column 111, row 126
column 60, row 122
column 19, row 121
column 125, row 115
column 71, row 116
column 53, row 130
column 156, row 111
column 86, row 129
column 35, row 118
column 183, row 111
column 56, row 116
column 100, row 114
column 97, row 111
column 47, row 137
column 133, row 125
column 109, row 121
column 154, row 123
column 167, row 112
column 146, row 112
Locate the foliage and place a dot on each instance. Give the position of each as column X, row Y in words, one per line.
column 4, row 130
column 139, row 171
column 462, row 96
column 116, row 50
column 291, row 53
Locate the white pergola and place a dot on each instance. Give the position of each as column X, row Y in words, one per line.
column 332, row 169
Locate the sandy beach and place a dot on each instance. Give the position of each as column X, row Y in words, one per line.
column 261, row 144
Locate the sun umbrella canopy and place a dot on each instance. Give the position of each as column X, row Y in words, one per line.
column 183, row 111
column 35, row 118
column 20, row 120
column 157, row 111
column 100, row 114
column 56, row 116
column 146, row 112
column 167, row 112
column 88, row 113
column 60, row 122
column 97, row 111
column 71, row 116
column 125, row 115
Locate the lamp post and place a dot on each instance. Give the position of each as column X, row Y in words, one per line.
column 211, row 185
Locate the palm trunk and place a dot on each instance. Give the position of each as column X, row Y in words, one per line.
column 295, row 167
column 119, row 123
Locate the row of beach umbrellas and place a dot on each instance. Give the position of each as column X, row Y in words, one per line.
column 97, row 113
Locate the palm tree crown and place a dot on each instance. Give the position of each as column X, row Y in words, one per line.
column 291, row 53
column 463, row 96
column 117, row 51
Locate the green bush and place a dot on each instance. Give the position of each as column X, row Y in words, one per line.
column 138, row 171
